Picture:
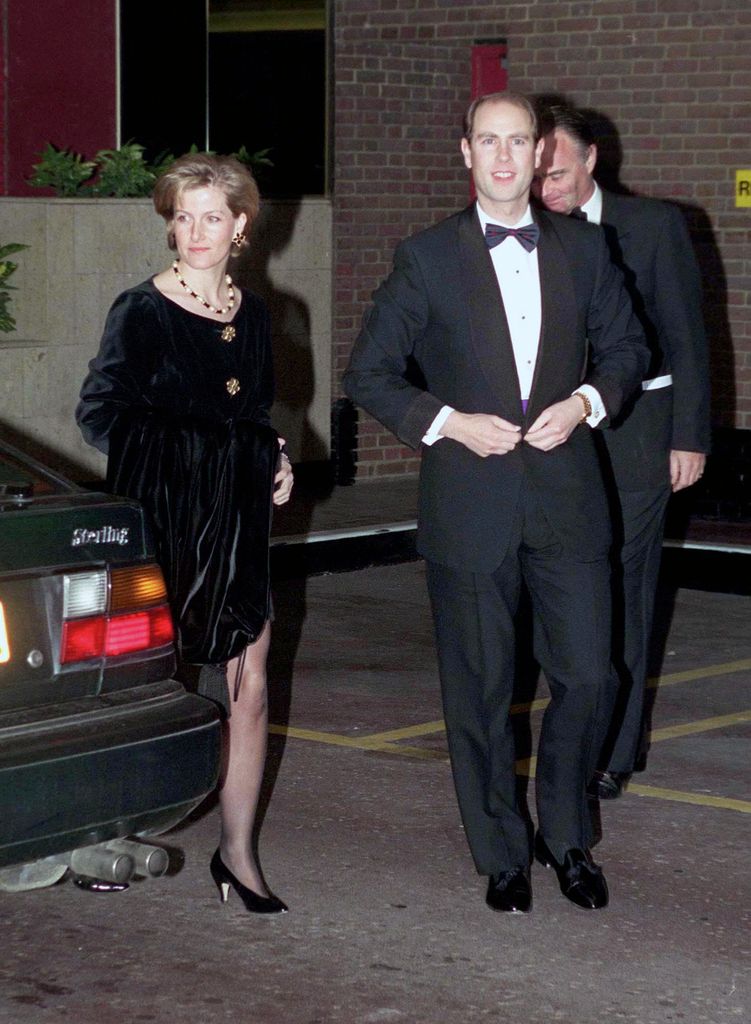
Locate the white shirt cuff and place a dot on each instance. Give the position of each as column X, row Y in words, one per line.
column 433, row 432
column 599, row 412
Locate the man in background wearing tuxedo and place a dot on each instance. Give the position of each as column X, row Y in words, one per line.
column 659, row 442
column 525, row 340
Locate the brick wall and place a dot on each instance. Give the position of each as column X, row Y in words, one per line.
column 671, row 75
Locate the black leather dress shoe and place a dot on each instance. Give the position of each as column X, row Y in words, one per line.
column 608, row 785
column 510, row 891
column 580, row 879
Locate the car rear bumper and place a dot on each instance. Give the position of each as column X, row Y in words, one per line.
column 119, row 764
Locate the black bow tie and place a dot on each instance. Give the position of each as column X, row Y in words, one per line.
column 578, row 213
column 528, row 236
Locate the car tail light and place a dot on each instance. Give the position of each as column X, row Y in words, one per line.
column 137, row 632
column 139, row 585
column 107, row 615
column 85, row 593
column 4, row 644
column 83, row 639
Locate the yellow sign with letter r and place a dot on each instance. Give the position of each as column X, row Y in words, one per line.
column 743, row 188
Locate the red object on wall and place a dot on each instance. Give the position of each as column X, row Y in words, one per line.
column 489, row 72
column 3, row 118
column 60, row 84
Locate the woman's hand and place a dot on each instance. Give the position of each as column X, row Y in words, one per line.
column 284, row 478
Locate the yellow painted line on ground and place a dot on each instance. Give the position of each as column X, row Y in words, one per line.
column 409, row 731
column 535, row 705
column 357, row 743
column 670, row 732
column 384, row 740
column 528, row 766
column 426, row 728
column 331, row 738
column 387, row 740
column 699, row 673
column 698, row 799
column 669, row 679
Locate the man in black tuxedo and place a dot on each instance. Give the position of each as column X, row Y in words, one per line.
column 525, row 339
column 659, row 442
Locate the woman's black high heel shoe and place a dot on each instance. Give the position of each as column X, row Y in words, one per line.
column 223, row 879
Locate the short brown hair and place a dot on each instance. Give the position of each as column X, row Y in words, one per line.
column 514, row 98
column 202, row 170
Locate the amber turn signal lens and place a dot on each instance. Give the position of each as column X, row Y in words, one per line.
column 136, row 587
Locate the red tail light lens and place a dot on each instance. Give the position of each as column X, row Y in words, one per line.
column 162, row 629
column 138, row 631
column 121, row 634
column 82, row 639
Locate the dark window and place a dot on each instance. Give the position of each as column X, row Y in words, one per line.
column 163, row 74
column 267, row 91
column 226, row 75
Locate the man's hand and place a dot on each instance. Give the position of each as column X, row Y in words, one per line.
column 685, row 468
column 284, row 477
column 556, row 424
column 482, row 433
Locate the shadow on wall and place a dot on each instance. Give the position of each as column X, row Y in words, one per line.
column 294, row 367
column 715, row 298
column 294, row 372
column 714, row 282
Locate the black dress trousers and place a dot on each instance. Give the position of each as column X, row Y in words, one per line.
column 475, row 634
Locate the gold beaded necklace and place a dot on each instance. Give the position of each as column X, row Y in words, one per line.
column 195, row 295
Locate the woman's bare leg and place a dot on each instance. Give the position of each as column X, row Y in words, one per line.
column 245, row 735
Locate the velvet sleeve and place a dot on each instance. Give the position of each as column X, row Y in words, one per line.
column 118, row 380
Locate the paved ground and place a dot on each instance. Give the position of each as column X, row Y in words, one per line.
column 361, row 836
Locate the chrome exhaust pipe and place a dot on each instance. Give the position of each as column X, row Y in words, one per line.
column 100, row 862
column 149, row 861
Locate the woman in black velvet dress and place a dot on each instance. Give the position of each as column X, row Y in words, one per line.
column 179, row 398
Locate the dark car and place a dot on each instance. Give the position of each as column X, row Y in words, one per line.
column 97, row 741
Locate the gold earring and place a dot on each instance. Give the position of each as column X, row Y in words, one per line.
column 238, row 239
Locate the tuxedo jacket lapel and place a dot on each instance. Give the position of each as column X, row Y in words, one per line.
column 489, row 331
column 559, row 316
column 615, row 224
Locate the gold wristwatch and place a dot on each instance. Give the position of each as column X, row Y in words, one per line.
column 587, row 405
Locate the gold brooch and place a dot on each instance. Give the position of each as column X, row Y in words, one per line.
column 233, row 385
column 228, row 333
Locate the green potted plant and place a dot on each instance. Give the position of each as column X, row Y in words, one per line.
column 121, row 173
column 61, row 170
column 7, row 268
